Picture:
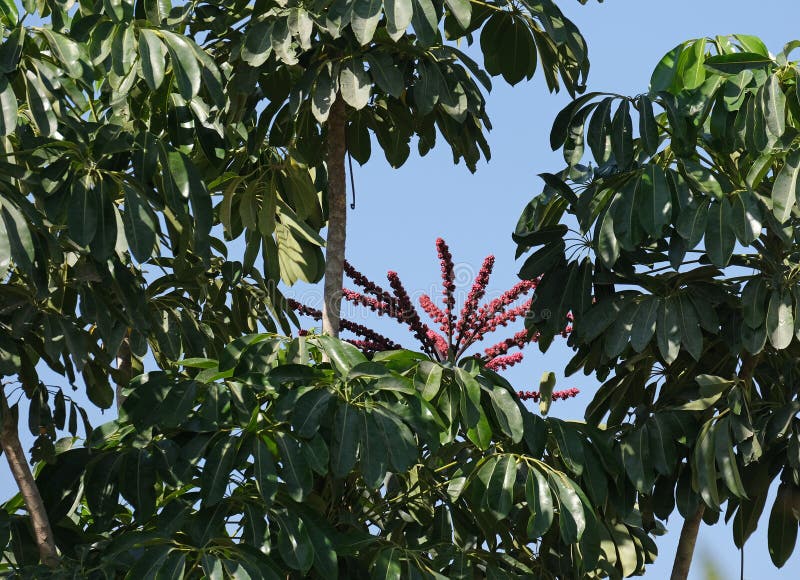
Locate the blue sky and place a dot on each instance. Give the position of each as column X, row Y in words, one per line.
column 399, row 213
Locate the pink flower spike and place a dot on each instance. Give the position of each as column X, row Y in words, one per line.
column 467, row 319
column 407, row 314
column 501, row 363
column 433, row 311
column 448, row 283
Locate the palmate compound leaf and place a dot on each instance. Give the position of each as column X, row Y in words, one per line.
column 508, row 47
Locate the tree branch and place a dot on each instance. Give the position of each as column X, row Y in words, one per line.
column 685, row 551
column 11, row 446
column 337, row 219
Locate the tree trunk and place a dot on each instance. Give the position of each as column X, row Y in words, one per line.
column 683, row 556
column 337, row 219
column 11, row 446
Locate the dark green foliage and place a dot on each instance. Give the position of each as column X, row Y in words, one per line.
column 688, row 233
column 334, row 470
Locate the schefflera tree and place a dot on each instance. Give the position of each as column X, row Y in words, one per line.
column 335, row 72
column 118, row 128
column 678, row 255
column 270, row 463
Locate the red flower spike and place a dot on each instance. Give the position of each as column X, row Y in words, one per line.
column 368, row 285
column 557, row 395
column 375, row 305
column 473, row 325
column 501, row 363
column 432, row 310
column 448, row 283
column 467, row 319
column 407, row 314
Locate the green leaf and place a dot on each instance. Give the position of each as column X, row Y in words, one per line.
column 343, row 355
column 726, row 459
column 346, row 433
column 39, row 102
column 635, row 448
column 746, row 215
column 736, row 62
column 571, row 518
column 704, row 465
column 542, row 260
column 184, row 64
column 720, row 237
column 266, row 476
column 701, row 179
column 498, row 478
column 751, row 43
column 139, row 483
column 655, row 200
column 308, row 412
column 141, row 225
column 461, row 11
column 428, row 379
column 229, row 357
column 152, row 55
column 644, row 323
column 782, row 531
column 691, row 334
column 385, row 73
column 771, row 103
column 664, row 75
column 784, row 190
column 354, row 84
column 569, row 445
column 9, row 14
column 214, row 482
column 364, row 21
column 102, row 486
column 622, row 135
column 82, row 213
column 780, row 321
column 606, row 242
column 294, row 543
column 648, row 128
column 508, row 47
column 508, row 413
column 294, row 467
column 388, row 564
column 668, row 331
column 692, row 222
column 372, row 452
column 546, row 385
column 540, row 503
column 425, row 21
column 398, row 17
column 399, row 441
column 8, row 107
column 691, row 71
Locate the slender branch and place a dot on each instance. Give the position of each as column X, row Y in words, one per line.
column 337, row 219
column 11, row 446
column 685, row 551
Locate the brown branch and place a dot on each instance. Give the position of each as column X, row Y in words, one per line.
column 11, row 446
column 337, row 219
column 685, row 551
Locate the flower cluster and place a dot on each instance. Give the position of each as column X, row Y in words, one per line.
column 535, row 396
column 454, row 336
